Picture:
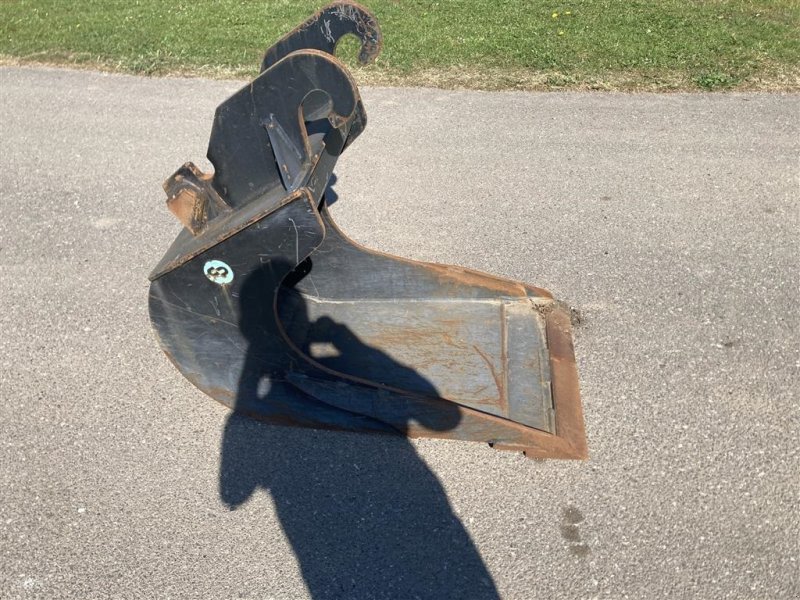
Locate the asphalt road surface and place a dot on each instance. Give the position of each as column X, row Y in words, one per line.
column 669, row 222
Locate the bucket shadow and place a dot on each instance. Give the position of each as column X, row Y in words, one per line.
column 330, row 192
column 365, row 516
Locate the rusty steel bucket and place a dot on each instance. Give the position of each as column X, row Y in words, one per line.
column 264, row 304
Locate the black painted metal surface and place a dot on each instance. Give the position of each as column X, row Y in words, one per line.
column 265, row 305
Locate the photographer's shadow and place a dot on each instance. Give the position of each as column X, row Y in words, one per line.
column 365, row 516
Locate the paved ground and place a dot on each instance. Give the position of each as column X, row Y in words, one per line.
column 670, row 222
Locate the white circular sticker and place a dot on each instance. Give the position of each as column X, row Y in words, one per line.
column 218, row 271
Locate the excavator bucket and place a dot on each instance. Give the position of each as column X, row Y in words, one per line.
column 264, row 304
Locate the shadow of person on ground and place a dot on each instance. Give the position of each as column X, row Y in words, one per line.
column 365, row 516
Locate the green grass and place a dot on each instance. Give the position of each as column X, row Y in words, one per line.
column 484, row 44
